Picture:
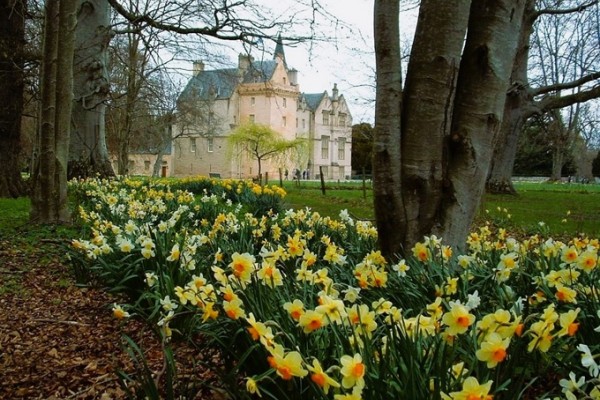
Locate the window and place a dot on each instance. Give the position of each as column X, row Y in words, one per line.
column 252, row 101
column 324, row 147
column 303, row 123
column 326, row 118
column 342, row 120
column 296, row 122
column 251, row 118
column 284, row 80
column 210, row 144
column 193, row 145
column 284, row 121
column 284, row 102
column 342, row 148
column 147, row 165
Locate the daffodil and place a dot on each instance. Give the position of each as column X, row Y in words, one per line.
column 588, row 260
column 270, row 275
column 565, row 294
column 119, row 312
column 568, row 324
column 493, row 350
column 353, row 371
column 252, row 387
column 571, row 385
column 233, row 308
column 312, row 320
column 295, row 309
column 421, row 252
column 458, row 319
column 286, row 365
column 473, row 390
column 320, row 376
column 242, row 265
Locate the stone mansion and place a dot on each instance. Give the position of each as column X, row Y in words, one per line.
column 267, row 92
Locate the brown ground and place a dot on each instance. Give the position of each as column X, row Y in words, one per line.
column 60, row 341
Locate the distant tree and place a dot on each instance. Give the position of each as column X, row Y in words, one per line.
column 12, row 44
column 262, row 143
column 533, row 157
column 556, row 66
column 362, row 147
column 596, row 166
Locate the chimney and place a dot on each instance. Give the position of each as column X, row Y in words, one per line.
column 244, row 61
column 198, row 67
column 293, row 74
column 334, row 93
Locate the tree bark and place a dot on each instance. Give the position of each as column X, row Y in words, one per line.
column 12, row 41
column 387, row 179
column 88, row 153
column 49, row 197
column 427, row 107
column 515, row 111
column 485, row 69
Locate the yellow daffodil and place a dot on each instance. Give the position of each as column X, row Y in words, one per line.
column 233, row 308
column 473, row 390
column 567, row 323
column 565, row 294
column 119, row 312
column 458, row 319
column 353, row 371
column 242, row 265
column 312, row 320
column 493, row 350
column 320, row 377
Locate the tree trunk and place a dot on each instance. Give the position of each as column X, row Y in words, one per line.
column 388, row 204
column 12, row 40
column 485, row 69
column 49, row 196
column 514, row 118
column 558, row 161
column 133, row 89
column 88, row 154
column 427, row 107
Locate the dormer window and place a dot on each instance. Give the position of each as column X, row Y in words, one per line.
column 284, row 80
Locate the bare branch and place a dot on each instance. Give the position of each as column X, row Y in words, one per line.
column 558, row 11
column 566, row 85
column 551, row 102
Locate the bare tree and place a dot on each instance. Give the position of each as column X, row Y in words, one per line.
column 431, row 181
column 88, row 154
column 561, row 34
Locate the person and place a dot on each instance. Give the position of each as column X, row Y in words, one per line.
column 286, row 174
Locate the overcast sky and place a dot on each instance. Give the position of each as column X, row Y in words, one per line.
column 348, row 62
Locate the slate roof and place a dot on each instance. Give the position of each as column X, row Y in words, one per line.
column 313, row 99
column 221, row 83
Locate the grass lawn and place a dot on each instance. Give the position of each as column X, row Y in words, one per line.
column 563, row 208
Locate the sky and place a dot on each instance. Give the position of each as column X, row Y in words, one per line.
column 348, row 62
